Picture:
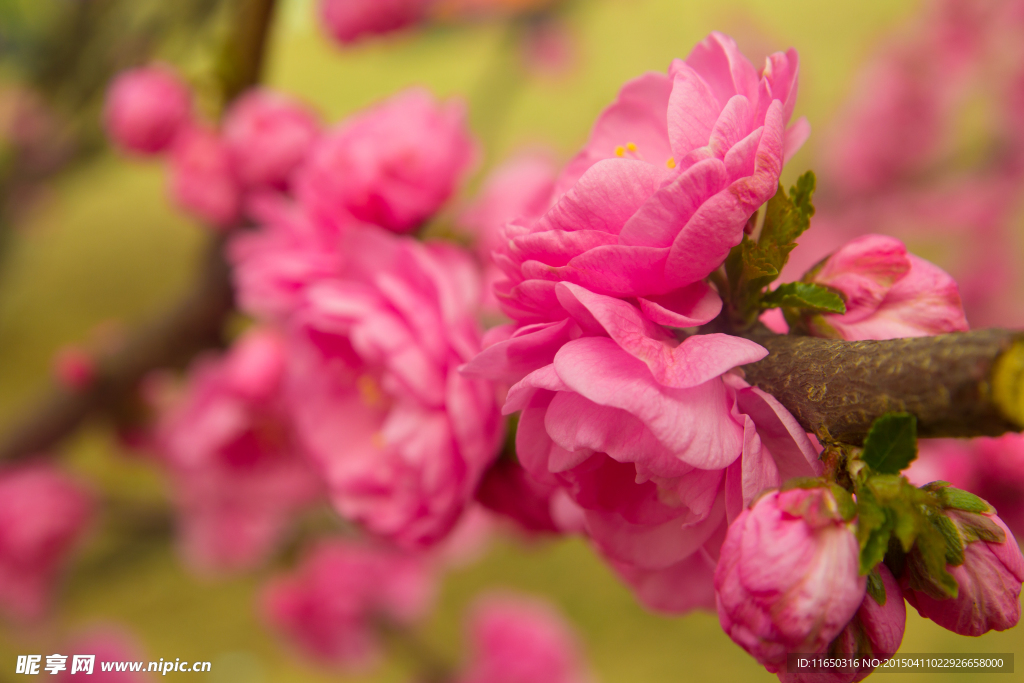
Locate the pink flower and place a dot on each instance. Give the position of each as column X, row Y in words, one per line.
column 238, row 470
column 644, row 434
column 146, row 108
column 788, row 580
column 43, row 514
column 203, row 180
column 510, row 491
column 400, row 436
column 661, row 192
column 268, row 135
column 108, row 644
column 393, row 165
column 515, row 640
column 329, row 606
column 889, row 293
column 349, row 20
column 989, row 583
column 875, row 630
column 74, row 368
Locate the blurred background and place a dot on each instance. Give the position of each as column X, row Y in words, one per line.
column 90, row 247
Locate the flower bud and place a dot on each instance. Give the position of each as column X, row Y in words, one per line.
column 203, row 179
column 787, row 579
column 876, row 629
column 268, row 136
column 349, row 20
column 889, row 293
column 146, row 108
column 989, row 579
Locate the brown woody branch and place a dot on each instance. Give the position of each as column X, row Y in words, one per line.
column 958, row 385
column 195, row 323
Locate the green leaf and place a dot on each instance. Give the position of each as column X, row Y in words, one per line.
column 891, row 444
column 974, row 527
column 962, row 500
column 788, row 217
column 873, row 529
column 876, row 589
column 954, row 543
column 927, row 565
column 805, row 295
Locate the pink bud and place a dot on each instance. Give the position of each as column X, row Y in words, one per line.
column 203, row 180
column 393, row 165
column 787, row 579
column 875, row 629
column 516, row 640
column 349, row 20
column 146, row 108
column 268, row 136
column 889, row 293
column 989, row 583
column 73, row 368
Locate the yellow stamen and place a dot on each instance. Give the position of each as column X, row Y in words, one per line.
column 369, row 391
column 671, row 163
column 620, row 151
column 630, row 146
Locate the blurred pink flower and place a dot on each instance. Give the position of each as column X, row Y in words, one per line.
column 146, row 108
column 989, row 582
column 238, row 471
column 108, row 643
column 350, row 20
column 268, row 135
column 889, row 293
column 73, row 368
column 662, row 190
column 329, row 607
column 400, row 436
column 393, row 165
column 510, row 491
column 519, row 640
column 644, row 434
column 788, row 580
column 874, row 630
column 43, row 515
column 203, row 180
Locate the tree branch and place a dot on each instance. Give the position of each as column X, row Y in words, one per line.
column 958, row 385
column 192, row 325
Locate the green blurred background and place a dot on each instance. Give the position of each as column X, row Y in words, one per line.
column 105, row 245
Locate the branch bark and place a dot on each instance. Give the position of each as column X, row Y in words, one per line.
column 958, row 385
column 195, row 323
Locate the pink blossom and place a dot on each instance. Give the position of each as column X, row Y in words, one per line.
column 510, row 491
column 329, row 606
column 643, row 433
column 788, row 580
column 393, row 165
column 43, row 515
column 875, row 630
column 401, row 438
column 889, row 293
column 350, row 20
column 517, row 640
column 109, row 643
column 146, row 108
column 203, row 180
column 238, row 470
column 268, row 135
column 989, row 582
column 661, row 192
column 74, row 368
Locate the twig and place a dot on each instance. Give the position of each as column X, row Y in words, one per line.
column 194, row 324
column 963, row 384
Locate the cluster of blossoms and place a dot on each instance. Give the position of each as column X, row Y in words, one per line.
column 367, row 377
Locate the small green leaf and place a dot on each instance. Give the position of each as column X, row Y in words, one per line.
column 891, row 444
column 974, row 527
column 873, row 529
column 806, row 296
column 954, row 543
column 963, row 500
column 844, row 501
column 876, row 589
column 927, row 565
